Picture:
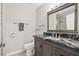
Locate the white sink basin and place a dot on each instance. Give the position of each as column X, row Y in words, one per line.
column 51, row 38
column 74, row 43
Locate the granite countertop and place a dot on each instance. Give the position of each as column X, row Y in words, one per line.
column 66, row 42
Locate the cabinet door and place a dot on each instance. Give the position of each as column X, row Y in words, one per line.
column 61, row 52
column 46, row 49
column 38, row 48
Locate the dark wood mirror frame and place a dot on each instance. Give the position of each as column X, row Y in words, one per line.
column 61, row 8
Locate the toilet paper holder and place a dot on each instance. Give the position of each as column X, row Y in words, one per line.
column 12, row 35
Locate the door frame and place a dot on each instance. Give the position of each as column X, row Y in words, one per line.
column 2, row 29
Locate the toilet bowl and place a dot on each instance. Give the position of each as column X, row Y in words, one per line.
column 29, row 48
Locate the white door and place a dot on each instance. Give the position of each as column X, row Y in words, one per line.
column 0, row 29
column 1, row 32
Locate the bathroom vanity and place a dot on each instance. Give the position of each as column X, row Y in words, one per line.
column 60, row 20
column 48, row 47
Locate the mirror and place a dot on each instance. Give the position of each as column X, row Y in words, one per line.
column 63, row 18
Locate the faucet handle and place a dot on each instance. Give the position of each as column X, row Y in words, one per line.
column 56, row 35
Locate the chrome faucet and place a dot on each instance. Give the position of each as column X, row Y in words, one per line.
column 57, row 35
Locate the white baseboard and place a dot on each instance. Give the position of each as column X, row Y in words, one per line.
column 16, row 52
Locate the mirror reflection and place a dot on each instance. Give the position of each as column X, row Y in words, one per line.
column 63, row 19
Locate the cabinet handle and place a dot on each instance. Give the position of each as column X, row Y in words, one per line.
column 61, row 55
column 41, row 46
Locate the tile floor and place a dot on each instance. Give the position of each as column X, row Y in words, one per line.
column 21, row 54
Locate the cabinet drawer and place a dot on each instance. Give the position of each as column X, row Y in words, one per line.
column 61, row 52
column 47, row 50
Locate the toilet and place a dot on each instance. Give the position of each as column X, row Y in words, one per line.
column 29, row 48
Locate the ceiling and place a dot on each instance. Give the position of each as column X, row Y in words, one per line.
column 34, row 5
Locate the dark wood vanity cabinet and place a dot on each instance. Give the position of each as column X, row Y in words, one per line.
column 45, row 48
column 42, row 49
column 38, row 48
column 61, row 52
